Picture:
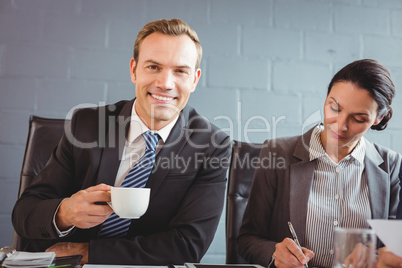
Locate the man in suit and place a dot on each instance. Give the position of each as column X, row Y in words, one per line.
column 64, row 210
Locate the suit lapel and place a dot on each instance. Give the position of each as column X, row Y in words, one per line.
column 177, row 139
column 112, row 148
column 377, row 180
column 114, row 145
column 115, row 139
column 301, row 177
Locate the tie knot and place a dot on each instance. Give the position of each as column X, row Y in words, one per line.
column 151, row 139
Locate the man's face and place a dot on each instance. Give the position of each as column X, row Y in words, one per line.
column 165, row 76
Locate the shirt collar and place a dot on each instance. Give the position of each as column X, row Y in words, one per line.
column 316, row 150
column 360, row 150
column 137, row 127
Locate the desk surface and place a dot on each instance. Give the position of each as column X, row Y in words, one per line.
column 123, row 266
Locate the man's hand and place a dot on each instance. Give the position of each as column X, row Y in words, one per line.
column 288, row 254
column 68, row 248
column 387, row 259
column 81, row 211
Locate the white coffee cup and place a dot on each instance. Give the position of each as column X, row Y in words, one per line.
column 129, row 203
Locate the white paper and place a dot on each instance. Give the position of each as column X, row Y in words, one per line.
column 390, row 233
column 29, row 259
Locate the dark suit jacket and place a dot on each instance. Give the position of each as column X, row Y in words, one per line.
column 281, row 187
column 399, row 213
column 186, row 200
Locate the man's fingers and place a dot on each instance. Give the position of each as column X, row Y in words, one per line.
column 99, row 210
column 99, row 187
column 97, row 196
column 91, row 195
column 93, row 221
column 89, row 221
column 82, row 211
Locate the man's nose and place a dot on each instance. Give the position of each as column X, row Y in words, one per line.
column 165, row 80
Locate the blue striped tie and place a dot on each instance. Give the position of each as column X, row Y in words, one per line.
column 114, row 226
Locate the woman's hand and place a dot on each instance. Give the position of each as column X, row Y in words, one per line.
column 360, row 257
column 387, row 259
column 289, row 254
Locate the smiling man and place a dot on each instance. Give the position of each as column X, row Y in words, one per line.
column 166, row 72
column 64, row 210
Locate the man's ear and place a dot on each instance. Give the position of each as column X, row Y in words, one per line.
column 133, row 66
column 197, row 76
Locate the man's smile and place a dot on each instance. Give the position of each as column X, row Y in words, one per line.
column 161, row 98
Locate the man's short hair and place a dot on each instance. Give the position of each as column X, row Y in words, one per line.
column 174, row 27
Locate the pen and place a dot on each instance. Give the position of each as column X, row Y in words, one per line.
column 292, row 231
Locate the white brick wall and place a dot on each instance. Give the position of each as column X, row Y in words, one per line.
column 237, row 71
column 331, row 47
column 300, row 76
column 271, row 42
column 367, row 20
column 266, row 65
column 303, row 15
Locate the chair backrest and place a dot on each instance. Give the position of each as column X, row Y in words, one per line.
column 43, row 136
column 241, row 172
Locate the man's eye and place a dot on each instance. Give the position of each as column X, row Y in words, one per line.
column 180, row 71
column 153, row 67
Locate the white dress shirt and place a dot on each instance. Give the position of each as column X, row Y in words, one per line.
column 339, row 197
column 134, row 147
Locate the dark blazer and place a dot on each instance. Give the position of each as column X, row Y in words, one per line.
column 281, row 187
column 399, row 213
column 187, row 188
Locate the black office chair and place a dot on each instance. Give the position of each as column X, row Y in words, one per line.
column 43, row 136
column 241, row 174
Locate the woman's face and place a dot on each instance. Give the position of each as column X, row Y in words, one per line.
column 349, row 112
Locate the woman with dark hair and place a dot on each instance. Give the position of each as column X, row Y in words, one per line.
column 332, row 176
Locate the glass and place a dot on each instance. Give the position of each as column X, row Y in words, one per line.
column 354, row 248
